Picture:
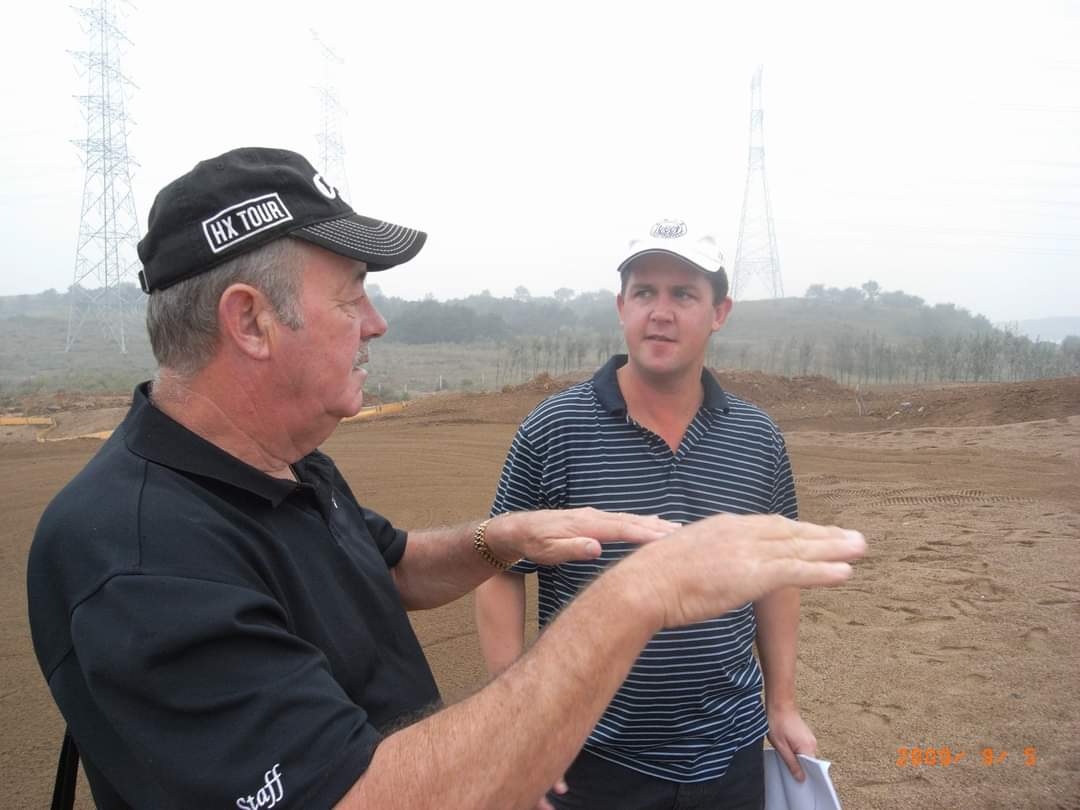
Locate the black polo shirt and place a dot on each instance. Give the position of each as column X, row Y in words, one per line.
column 216, row 637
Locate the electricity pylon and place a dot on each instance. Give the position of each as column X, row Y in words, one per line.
column 756, row 257
column 105, row 255
column 331, row 113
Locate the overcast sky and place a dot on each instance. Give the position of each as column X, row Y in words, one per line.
column 931, row 146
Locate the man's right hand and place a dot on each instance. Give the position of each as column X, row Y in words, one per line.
column 516, row 736
column 722, row 562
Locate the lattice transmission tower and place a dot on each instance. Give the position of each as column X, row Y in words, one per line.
column 331, row 113
column 105, row 256
column 756, row 258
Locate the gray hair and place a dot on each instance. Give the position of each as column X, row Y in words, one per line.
column 183, row 319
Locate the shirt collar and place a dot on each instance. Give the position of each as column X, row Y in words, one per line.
column 154, row 436
column 605, row 383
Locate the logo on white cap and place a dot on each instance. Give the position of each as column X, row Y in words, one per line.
column 668, row 229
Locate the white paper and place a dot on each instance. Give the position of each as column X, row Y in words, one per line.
column 782, row 792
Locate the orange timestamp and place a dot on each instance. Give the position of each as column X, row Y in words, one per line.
column 945, row 757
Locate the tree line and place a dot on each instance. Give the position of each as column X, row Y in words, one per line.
column 852, row 358
column 853, row 335
column 849, row 358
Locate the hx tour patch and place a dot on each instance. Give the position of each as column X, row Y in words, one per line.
column 237, row 222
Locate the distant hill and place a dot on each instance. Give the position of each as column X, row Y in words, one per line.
column 481, row 342
column 823, row 314
column 1055, row 329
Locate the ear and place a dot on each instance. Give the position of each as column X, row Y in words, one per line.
column 720, row 313
column 619, row 301
column 246, row 320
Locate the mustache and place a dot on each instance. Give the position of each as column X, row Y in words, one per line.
column 362, row 356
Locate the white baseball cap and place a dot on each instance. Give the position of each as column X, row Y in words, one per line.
column 676, row 238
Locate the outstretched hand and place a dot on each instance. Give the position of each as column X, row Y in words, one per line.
column 555, row 536
column 722, row 562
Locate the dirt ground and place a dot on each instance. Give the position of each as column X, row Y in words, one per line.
column 961, row 628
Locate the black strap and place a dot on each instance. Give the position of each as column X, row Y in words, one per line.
column 67, row 769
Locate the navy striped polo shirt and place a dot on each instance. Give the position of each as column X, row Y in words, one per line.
column 693, row 697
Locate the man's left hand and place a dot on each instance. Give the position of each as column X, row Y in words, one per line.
column 555, row 536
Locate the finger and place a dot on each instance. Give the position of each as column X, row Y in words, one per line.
column 585, row 548
column 560, row 787
column 804, row 574
column 609, row 526
column 791, row 761
column 839, row 545
column 774, row 525
column 641, row 528
column 564, row 549
column 813, row 531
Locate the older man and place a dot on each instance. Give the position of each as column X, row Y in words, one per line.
column 223, row 624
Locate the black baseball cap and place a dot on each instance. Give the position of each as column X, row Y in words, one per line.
column 248, row 197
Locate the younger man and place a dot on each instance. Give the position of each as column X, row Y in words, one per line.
column 653, row 433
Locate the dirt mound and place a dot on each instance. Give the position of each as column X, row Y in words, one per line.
column 61, row 401
column 508, row 406
column 796, row 403
column 73, row 424
column 980, row 404
column 544, row 383
column 818, row 403
column 769, row 391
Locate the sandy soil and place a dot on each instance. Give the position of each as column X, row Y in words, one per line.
column 961, row 629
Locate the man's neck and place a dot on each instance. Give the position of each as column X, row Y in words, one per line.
column 229, row 421
column 667, row 405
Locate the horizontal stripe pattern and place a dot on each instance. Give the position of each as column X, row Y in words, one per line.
column 692, row 698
